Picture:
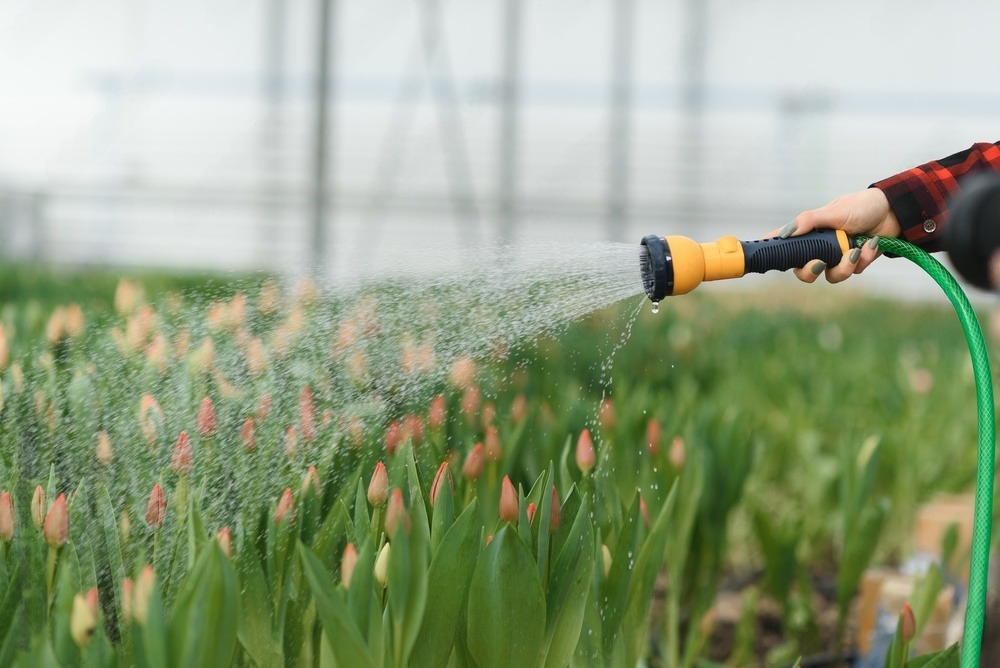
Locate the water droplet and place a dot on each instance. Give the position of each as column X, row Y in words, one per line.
column 656, row 307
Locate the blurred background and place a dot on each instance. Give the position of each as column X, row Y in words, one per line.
column 275, row 134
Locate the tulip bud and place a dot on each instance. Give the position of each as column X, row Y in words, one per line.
column 489, row 539
column 307, row 414
column 291, row 441
column 508, row 501
column 396, row 516
column 127, row 598
column 443, row 474
column 489, row 415
column 438, row 413
column 83, row 619
column 677, row 453
column 206, row 422
column 494, row 448
column 645, row 512
column 907, row 623
column 311, row 478
column 475, row 461
column 156, row 507
column 653, row 436
column 38, row 507
column 182, row 461
column 531, row 513
column 585, row 455
column 248, row 435
column 150, row 418
column 554, row 513
column 382, row 565
column 606, row 559
column 347, row 563
column 225, row 541
column 412, row 429
column 393, row 435
column 256, row 356
column 518, row 410
column 263, row 407
column 103, row 451
column 6, row 517
column 470, row 403
column 463, row 372
column 378, row 487
column 56, row 526
column 286, row 507
column 607, row 415
column 143, row 590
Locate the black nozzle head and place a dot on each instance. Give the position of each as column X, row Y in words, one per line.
column 656, row 267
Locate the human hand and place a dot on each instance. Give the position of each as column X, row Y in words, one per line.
column 863, row 212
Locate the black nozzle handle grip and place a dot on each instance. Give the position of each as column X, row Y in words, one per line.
column 794, row 252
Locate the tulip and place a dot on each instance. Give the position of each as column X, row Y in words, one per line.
column 183, row 460
column 291, row 441
column 127, row 598
column 489, row 415
column 150, row 418
column 382, row 565
column 907, row 623
column 307, row 414
column 256, row 356
column 286, row 507
column 38, row 507
column 347, row 563
column 494, row 448
column 606, row 559
column 653, row 436
column 103, row 451
column 412, row 429
column 156, row 507
column 393, row 435
column 437, row 413
column 531, row 513
column 396, row 516
column 378, row 487
column 56, row 526
column 248, row 435
column 203, row 357
column 475, row 462
column 206, row 422
column 311, row 478
column 263, row 407
column 470, row 403
column 443, row 474
column 143, row 590
column 645, row 512
column 83, row 619
column 156, row 353
column 518, row 410
column 607, row 415
column 585, row 455
column 554, row 513
column 7, row 519
column 127, row 296
column 508, row 501
column 677, row 453
column 225, row 541
column 463, row 372
column 55, row 328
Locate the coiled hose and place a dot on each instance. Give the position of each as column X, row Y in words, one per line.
column 975, row 611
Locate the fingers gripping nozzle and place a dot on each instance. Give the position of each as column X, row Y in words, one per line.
column 677, row 265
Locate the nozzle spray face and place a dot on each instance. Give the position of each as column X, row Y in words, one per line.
column 656, row 267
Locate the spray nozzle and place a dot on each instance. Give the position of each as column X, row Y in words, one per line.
column 656, row 268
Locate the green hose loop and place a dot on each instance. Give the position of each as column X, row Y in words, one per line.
column 975, row 611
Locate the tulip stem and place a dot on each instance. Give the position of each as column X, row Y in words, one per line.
column 50, row 572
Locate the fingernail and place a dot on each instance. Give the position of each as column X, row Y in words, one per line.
column 873, row 243
column 818, row 268
column 855, row 254
column 787, row 230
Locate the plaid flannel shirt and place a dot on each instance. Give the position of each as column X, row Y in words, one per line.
column 919, row 196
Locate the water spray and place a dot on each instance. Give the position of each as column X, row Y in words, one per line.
column 676, row 265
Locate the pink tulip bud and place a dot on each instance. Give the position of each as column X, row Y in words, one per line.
column 554, row 513
column 396, row 516
column 438, row 413
column 206, row 422
column 531, row 513
column 677, row 453
column 907, row 623
column 38, row 507
column 518, row 410
column 142, row 592
column 412, row 429
column 508, row 501
column 443, row 474
column 6, row 517
column 378, row 487
column 475, row 462
column 286, row 507
column 290, row 441
column 183, row 460
column 585, row 455
column 607, row 415
column 103, row 451
column 489, row 415
column 653, row 436
column 470, row 403
column 310, row 479
column 127, row 598
column 248, row 435
column 263, row 407
column 393, row 436
column 307, row 414
column 56, row 526
column 463, row 372
column 156, row 507
column 225, row 541
column 347, row 563
column 494, row 448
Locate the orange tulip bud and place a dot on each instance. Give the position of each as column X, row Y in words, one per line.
column 677, row 452
column 83, row 619
column 607, row 415
column 443, row 474
column 494, row 448
column 286, row 507
column 508, row 501
column 248, row 435
column 225, row 541
column 378, row 487
column 307, row 414
column 347, row 563
column 206, row 422
column 438, row 412
column 56, row 526
column 653, row 436
column 291, row 441
column 470, row 403
column 586, row 457
column 310, row 479
column 412, row 429
column 907, row 623
column 518, row 410
column 127, row 598
column 7, row 519
column 156, row 507
column 489, row 415
column 38, row 507
column 103, row 451
column 393, row 435
column 396, row 516
column 142, row 592
column 263, row 407
column 183, row 460
column 463, row 372
column 475, row 462
column 150, row 418
column 531, row 513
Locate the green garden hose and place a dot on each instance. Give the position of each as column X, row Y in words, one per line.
column 975, row 611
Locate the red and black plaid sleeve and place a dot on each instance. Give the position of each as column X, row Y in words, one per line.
column 919, row 197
